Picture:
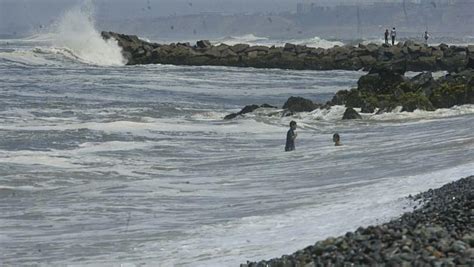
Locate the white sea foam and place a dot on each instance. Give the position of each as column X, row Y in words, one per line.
column 75, row 32
column 317, row 42
column 256, row 40
column 28, row 57
column 243, row 39
column 422, row 114
column 73, row 37
column 146, row 171
column 230, row 243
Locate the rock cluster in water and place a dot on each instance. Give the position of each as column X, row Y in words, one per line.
column 386, row 87
column 440, row 233
column 382, row 89
column 417, row 57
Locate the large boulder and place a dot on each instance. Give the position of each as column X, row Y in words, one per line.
column 245, row 110
column 390, row 53
column 422, row 79
column 238, row 48
column 423, row 82
column 453, row 63
column 355, row 99
column 448, row 95
column 382, row 78
column 299, row 104
column 340, row 98
column 351, row 114
column 470, row 57
column 470, row 62
column 398, row 67
column 423, row 63
column 367, row 61
column 203, row 44
column 289, row 47
column 412, row 101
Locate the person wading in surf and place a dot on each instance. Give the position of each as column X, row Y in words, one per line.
column 290, row 137
column 336, row 139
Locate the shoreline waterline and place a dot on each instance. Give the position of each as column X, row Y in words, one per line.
column 438, row 231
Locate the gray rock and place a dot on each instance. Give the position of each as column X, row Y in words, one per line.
column 351, row 114
column 203, row 44
column 238, row 48
column 289, row 47
column 459, row 246
column 257, row 48
column 299, row 104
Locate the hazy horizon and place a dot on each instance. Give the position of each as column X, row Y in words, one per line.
column 164, row 18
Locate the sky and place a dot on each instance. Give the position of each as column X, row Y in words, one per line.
column 21, row 15
column 41, row 10
column 25, row 17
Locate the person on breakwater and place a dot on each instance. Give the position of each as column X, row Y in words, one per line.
column 393, row 33
column 290, row 137
column 336, row 139
column 386, row 36
column 426, row 36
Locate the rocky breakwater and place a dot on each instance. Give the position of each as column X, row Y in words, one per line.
column 418, row 57
column 385, row 87
column 440, row 233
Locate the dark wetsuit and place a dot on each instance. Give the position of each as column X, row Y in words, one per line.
column 290, row 140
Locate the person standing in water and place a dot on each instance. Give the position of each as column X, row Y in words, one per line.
column 393, row 33
column 336, row 139
column 386, row 36
column 290, row 137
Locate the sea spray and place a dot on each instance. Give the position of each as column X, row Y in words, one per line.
column 75, row 33
column 251, row 39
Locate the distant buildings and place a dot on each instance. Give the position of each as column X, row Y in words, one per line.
column 308, row 6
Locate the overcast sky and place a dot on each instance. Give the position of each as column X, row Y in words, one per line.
column 24, row 15
column 17, row 15
column 41, row 9
column 133, row 8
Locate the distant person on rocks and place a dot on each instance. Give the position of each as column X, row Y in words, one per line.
column 386, row 36
column 336, row 139
column 290, row 137
column 426, row 36
column 393, row 33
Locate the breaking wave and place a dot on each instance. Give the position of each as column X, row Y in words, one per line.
column 251, row 39
column 76, row 33
column 72, row 37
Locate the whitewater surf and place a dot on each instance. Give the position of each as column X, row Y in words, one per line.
column 106, row 164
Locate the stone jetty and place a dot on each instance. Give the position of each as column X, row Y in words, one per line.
column 417, row 57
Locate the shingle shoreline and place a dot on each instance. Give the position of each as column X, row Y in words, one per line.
column 440, row 233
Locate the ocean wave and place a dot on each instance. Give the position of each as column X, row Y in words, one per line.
column 422, row 114
column 243, row 39
column 252, row 39
column 74, row 37
column 28, row 57
column 76, row 32
column 335, row 113
column 317, row 42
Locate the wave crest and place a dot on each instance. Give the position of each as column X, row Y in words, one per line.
column 251, row 39
column 75, row 32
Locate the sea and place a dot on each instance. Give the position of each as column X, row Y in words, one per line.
column 105, row 164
